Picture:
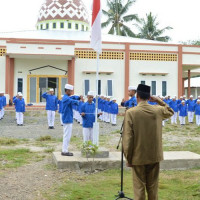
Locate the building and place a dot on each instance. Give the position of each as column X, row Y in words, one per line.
column 59, row 52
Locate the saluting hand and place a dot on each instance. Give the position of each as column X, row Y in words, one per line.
column 83, row 114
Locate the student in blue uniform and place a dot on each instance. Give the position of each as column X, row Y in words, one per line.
column 191, row 103
column 114, row 111
column 132, row 102
column 174, row 105
column 4, row 104
column 88, row 114
column 183, row 112
column 20, row 109
column 197, row 112
column 60, row 103
column 51, row 107
column 107, row 110
column 67, row 117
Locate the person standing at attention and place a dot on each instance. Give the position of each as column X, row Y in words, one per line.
column 132, row 102
column 60, row 103
column 142, row 142
column 20, row 109
column 51, row 107
column 67, row 117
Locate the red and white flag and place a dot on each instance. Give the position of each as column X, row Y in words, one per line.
column 96, row 26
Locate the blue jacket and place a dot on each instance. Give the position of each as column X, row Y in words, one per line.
column 4, row 101
column 174, row 105
column 191, row 104
column 113, row 108
column 51, row 102
column 67, row 111
column 167, row 101
column 20, row 105
column 80, row 106
column 1, row 103
column 197, row 109
column 183, row 110
column 131, row 102
column 89, row 118
column 60, row 103
column 107, row 107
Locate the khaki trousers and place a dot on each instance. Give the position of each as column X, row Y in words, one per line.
column 146, row 177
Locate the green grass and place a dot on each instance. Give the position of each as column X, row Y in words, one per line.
column 176, row 185
column 45, row 138
column 8, row 141
column 13, row 158
column 189, row 145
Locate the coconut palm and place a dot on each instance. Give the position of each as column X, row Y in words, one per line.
column 118, row 19
column 148, row 29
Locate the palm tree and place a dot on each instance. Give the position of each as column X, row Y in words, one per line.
column 149, row 29
column 117, row 17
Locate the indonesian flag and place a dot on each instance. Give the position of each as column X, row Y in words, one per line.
column 96, row 26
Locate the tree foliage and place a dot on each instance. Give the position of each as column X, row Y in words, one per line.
column 148, row 29
column 117, row 17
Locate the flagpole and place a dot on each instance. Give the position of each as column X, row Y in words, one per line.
column 96, row 114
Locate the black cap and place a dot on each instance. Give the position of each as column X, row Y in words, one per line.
column 144, row 89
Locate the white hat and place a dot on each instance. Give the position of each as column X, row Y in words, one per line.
column 182, row 101
column 51, row 90
column 1, row 92
column 62, row 96
column 198, row 100
column 91, row 93
column 173, row 97
column 198, row 96
column 114, row 99
column 132, row 88
column 69, row 87
column 184, row 96
column 20, row 95
column 191, row 96
column 181, row 97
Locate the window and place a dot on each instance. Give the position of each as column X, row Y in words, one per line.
column 86, row 28
column 69, row 25
column 54, row 25
column 47, row 26
column 99, row 87
column 143, row 82
column 164, row 88
column 87, row 86
column 20, row 85
column 109, row 88
column 82, row 27
column 76, row 26
column 41, row 26
column 61, row 25
column 153, row 87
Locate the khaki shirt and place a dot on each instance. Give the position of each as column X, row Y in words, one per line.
column 142, row 133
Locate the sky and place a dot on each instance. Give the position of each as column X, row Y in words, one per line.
column 182, row 15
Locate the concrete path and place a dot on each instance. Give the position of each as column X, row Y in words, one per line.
column 173, row 160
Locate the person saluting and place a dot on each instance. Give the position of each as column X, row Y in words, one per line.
column 142, row 142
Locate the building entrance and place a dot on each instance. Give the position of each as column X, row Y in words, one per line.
column 37, row 85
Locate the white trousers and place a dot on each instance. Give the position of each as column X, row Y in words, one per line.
column 61, row 121
column 113, row 118
column 190, row 116
column 107, row 117
column 1, row 114
column 67, row 133
column 51, row 117
column 104, row 117
column 182, row 119
column 198, row 120
column 87, row 134
column 20, row 117
column 163, row 123
column 174, row 118
column 3, row 111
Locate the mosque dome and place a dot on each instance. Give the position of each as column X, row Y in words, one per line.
column 63, row 15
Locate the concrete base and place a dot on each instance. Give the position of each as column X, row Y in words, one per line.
column 173, row 160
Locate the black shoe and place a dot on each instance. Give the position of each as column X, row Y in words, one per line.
column 18, row 125
column 52, row 127
column 49, row 127
column 21, row 125
column 67, row 154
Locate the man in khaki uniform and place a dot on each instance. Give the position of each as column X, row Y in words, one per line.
column 142, row 142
